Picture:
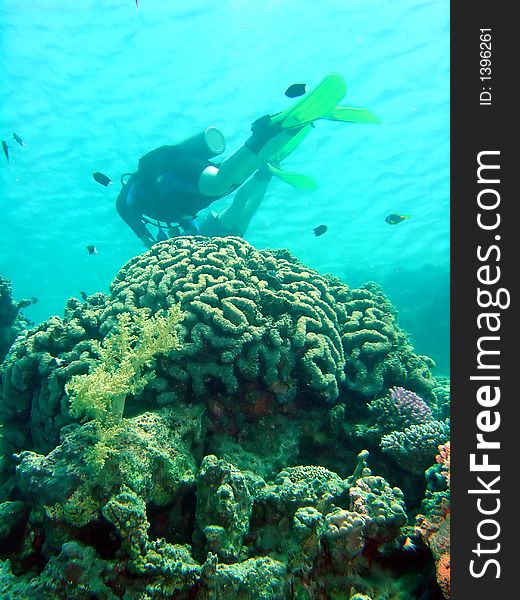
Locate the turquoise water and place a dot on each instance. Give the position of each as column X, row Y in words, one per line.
column 92, row 86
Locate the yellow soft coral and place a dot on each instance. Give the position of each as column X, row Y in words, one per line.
column 139, row 337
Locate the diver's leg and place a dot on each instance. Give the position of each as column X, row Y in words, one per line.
column 262, row 179
column 270, row 134
column 238, row 215
column 239, row 166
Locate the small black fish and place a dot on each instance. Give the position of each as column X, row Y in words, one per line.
column 394, row 219
column 83, row 295
column 6, row 149
column 320, row 230
column 92, row 249
column 18, row 139
column 295, row 90
column 102, row 179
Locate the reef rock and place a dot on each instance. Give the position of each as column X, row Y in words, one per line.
column 253, row 321
column 207, row 454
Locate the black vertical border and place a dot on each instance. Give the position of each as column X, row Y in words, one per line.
column 476, row 128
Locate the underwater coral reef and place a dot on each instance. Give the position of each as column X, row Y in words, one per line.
column 225, row 423
column 12, row 320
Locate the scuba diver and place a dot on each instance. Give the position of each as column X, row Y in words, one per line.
column 173, row 183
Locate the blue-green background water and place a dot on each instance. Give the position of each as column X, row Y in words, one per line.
column 93, row 85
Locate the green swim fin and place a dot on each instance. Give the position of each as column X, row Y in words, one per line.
column 315, row 104
column 349, row 114
column 291, row 145
column 301, row 182
column 297, row 180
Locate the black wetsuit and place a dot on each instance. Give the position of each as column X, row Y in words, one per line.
column 165, row 189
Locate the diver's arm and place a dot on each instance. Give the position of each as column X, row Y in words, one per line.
column 147, row 240
column 134, row 221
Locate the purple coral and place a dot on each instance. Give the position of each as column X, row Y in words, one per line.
column 410, row 408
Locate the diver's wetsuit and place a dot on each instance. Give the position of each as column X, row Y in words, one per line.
column 164, row 188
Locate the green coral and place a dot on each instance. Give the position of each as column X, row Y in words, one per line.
column 237, row 327
column 266, row 445
column 302, row 486
column 127, row 512
column 441, row 393
column 382, row 505
column 151, row 454
column 377, row 352
column 123, row 356
column 262, row 315
column 74, row 574
column 78, row 510
column 345, row 532
column 416, row 446
column 168, row 570
column 224, row 507
column 225, row 478
column 251, row 318
column 376, row 512
column 308, row 524
column 259, row 578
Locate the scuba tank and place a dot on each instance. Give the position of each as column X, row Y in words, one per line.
column 206, row 144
